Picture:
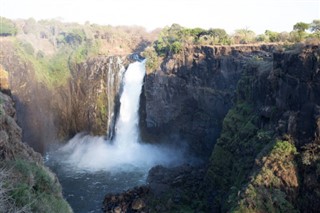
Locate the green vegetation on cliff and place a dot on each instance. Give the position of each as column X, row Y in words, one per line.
column 234, row 153
column 251, row 171
column 267, row 157
column 7, row 27
column 53, row 71
column 53, row 49
column 241, row 140
column 265, row 192
column 30, row 187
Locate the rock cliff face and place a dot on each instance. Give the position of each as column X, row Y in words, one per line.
column 26, row 185
column 192, row 92
column 267, row 155
column 268, row 151
column 10, row 134
column 91, row 99
column 177, row 189
column 87, row 102
column 32, row 98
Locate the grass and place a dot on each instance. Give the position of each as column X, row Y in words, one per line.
column 53, row 71
column 30, row 187
column 7, row 204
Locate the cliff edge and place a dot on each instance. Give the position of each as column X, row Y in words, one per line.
column 26, row 185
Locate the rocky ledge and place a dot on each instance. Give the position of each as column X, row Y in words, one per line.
column 167, row 190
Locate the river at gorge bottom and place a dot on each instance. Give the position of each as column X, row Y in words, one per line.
column 85, row 190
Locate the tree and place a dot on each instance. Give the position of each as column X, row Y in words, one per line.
column 315, row 25
column 272, row 36
column 284, row 36
column 262, row 38
column 7, row 27
column 219, row 35
column 244, row 36
column 315, row 28
column 152, row 62
column 294, row 36
column 301, row 27
column 171, row 39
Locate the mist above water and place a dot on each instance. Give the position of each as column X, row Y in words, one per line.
column 126, row 152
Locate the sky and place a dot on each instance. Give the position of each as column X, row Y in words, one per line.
column 256, row 15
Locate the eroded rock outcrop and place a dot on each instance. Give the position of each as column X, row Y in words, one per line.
column 167, row 190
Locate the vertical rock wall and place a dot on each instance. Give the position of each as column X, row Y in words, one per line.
column 87, row 102
column 190, row 94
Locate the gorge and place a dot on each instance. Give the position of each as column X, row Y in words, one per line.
column 94, row 163
column 235, row 128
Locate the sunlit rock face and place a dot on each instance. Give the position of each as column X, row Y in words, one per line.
column 190, row 94
column 87, row 101
column 92, row 96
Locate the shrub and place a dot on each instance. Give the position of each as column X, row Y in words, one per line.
column 34, row 186
column 4, row 79
column 267, row 190
column 272, row 36
column 7, row 27
column 27, row 47
column 152, row 62
column 220, row 36
column 244, row 36
column 176, row 47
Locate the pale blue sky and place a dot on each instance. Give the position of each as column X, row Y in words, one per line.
column 257, row 15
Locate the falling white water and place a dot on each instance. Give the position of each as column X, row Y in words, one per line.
column 125, row 152
column 127, row 125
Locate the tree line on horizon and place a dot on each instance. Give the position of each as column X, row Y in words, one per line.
column 171, row 39
column 179, row 33
column 96, row 39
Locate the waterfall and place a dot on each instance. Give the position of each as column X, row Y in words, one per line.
column 127, row 125
column 126, row 152
column 88, row 166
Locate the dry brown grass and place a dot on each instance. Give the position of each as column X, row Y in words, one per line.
column 4, row 79
column 7, row 205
